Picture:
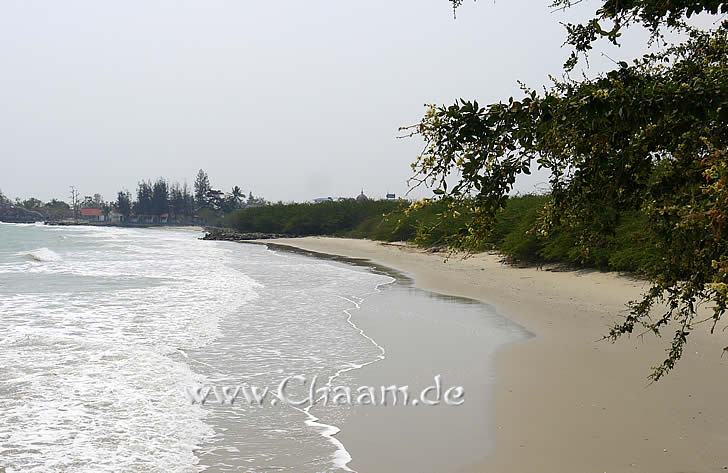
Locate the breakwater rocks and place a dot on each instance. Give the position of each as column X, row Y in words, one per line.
column 226, row 234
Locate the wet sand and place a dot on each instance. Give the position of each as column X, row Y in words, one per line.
column 423, row 335
column 563, row 401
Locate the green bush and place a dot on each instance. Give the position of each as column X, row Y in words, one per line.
column 326, row 218
column 628, row 249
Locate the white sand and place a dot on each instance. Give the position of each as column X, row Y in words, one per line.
column 566, row 402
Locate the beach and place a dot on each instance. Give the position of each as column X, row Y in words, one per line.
column 116, row 362
column 540, row 391
column 564, row 400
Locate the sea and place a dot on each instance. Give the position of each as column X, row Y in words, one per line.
column 104, row 330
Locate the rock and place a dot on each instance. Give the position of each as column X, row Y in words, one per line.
column 227, row 234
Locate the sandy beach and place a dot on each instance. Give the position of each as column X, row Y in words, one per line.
column 564, row 401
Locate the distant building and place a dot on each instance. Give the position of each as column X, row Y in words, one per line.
column 93, row 215
column 323, row 199
column 116, row 217
column 361, row 197
column 391, row 196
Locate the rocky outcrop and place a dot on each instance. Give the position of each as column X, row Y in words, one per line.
column 227, row 234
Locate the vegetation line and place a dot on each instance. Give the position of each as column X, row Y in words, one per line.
column 512, row 235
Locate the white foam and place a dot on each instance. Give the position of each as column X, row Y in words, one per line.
column 97, row 366
column 93, row 377
column 341, row 457
column 42, row 255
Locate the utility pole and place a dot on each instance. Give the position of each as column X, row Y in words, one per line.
column 74, row 202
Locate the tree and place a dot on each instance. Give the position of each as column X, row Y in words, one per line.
column 215, row 199
column 255, row 201
column 237, row 195
column 57, row 204
column 143, row 204
column 202, row 188
column 176, row 200
column 649, row 136
column 614, row 16
column 32, row 203
column 106, row 210
column 123, row 203
column 233, row 201
column 189, row 201
column 4, row 202
column 160, row 197
column 181, row 202
column 93, row 202
column 57, row 209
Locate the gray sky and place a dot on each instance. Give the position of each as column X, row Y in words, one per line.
column 290, row 99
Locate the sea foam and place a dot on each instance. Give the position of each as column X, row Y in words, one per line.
column 42, row 255
column 94, row 365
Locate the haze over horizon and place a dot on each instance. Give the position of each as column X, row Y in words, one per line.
column 289, row 100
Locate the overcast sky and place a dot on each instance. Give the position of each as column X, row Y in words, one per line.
column 291, row 100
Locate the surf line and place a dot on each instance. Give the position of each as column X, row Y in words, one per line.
column 342, row 457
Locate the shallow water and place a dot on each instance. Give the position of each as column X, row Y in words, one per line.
column 103, row 329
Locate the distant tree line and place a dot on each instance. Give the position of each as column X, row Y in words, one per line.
column 32, row 208
column 14, row 211
column 154, row 198
column 151, row 200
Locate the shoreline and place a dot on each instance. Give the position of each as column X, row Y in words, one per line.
column 413, row 440
column 167, row 226
column 564, row 401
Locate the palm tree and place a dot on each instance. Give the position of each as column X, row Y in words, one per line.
column 237, row 195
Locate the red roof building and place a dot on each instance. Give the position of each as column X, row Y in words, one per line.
column 96, row 215
column 91, row 212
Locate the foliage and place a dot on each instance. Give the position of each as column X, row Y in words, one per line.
column 208, row 216
column 254, row 201
column 57, row 204
column 32, row 203
column 614, row 16
column 647, row 139
column 4, row 202
column 181, row 201
column 160, row 197
column 234, row 200
column 202, row 187
column 124, row 203
column 326, row 218
column 152, row 198
column 143, row 204
column 512, row 233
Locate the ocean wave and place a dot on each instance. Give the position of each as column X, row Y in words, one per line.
column 42, row 255
column 95, row 375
